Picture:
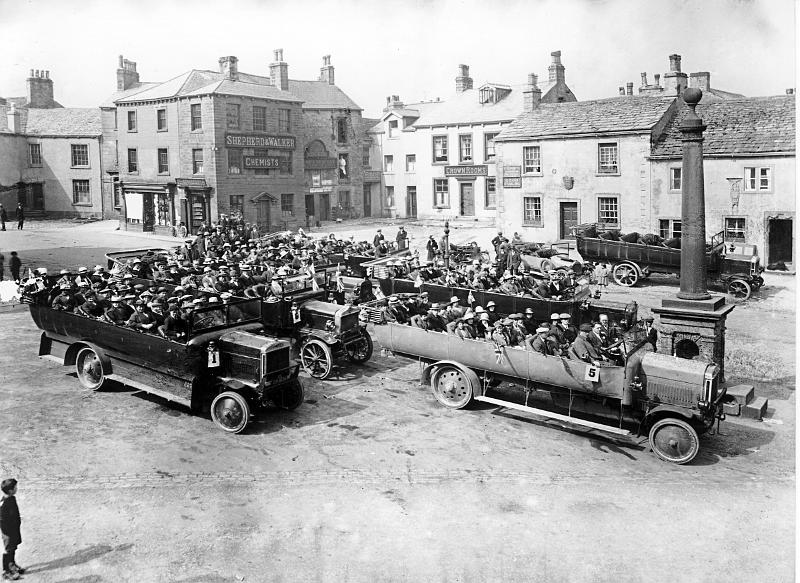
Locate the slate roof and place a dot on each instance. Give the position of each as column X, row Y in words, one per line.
column 321, row 95
column 614, row 115
column 313, row 94
column 464, row 108
column 126, row 93
column 754, row 125
column 69, row 121
column 21, row 102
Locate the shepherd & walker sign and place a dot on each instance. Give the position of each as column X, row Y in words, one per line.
column 260, row 141
column 479, row 170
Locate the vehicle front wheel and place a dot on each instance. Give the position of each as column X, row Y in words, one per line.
column 625, row 275
column 230, row 412
column 674, row 440
column 360, row 351
column 739, row 289
column 316, row 358
column 451, row 387
column 293, row 396
column 90, row 369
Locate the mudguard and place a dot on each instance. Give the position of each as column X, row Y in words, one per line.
column 477, row 386
column 72, row 353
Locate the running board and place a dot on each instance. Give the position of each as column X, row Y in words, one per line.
column 551, row 415
column 148, row 389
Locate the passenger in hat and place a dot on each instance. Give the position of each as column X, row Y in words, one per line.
column 483, row 328
column 538, row 343
column 569, row 331
column 432, row 321
column 500, row 334
column 64, row 301
column 140, row 319
column 491, row 309
column 463, row 330
column 528, row 322
column 116, row 314
column 582, row 348
column 175, row 326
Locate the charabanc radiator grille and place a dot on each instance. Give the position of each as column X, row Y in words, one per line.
column 277, row 360
column 349, row 322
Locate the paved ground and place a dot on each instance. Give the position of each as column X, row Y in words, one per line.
column 371, row 480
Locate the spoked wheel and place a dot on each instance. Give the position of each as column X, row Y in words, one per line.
column 360, row 351
column 293, row 396
column 739, row 289
column 674, row 440
column 89, row 369
column 625, row 275
column 230, row 412
column 316, row 358
column 451, row 387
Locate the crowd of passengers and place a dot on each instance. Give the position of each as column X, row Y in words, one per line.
column 598, row 343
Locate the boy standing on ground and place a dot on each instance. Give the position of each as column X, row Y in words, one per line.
column 10, row 528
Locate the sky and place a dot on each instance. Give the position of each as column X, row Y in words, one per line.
column 409, row 48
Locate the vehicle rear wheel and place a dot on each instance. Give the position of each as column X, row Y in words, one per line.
column 739, row 289
column 230, row 412
column 451, row 387
column 674, row 440
column 360, row 351
column 625, row 275
column 316, row 358
column 293, row 396
column 90, row 369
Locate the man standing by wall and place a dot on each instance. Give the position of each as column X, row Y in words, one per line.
column 20, row 216
column 3, row 217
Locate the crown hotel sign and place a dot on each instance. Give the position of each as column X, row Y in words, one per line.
column 477, row 170
column 260, row 141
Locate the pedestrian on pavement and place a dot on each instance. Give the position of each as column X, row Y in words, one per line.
column 402, row 238
column 10, row 528
column 16, row 265
column 376, row 240
column 2, row 266
column 432, row 246
column 3, row 217
column 20, row 216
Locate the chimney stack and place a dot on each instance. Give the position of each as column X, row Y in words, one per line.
column 393, row 102
column 463, row 81
column 40, row 90
column 629, row 88
column 326, row 72
column 657, row 80
column 556, row 69
column 279, row 71
column 701, row 80
column 644, row 80
column 229, row 67
column 790, row 91
column 532, row 96
column 14, row 124
column 127, row 76
column 675, row 82
column 621, row 90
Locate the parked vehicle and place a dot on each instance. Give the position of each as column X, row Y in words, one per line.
column 223, row 360
column 323, row 330
column 737, row 267
column 672, row 400
column 543, row 259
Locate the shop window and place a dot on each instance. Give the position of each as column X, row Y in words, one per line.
column 390, row 197
column 163, row 215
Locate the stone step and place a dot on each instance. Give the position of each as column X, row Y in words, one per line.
column 733, row 408
column 756, row 409
column 742, row 394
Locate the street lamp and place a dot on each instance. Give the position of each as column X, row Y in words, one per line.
column 446, row 252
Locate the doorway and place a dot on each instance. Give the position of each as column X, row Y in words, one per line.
column 324, row 206
column 779, row 241
column 148, row 213
column 263, row 215
column 467, row 208
column 568, row 218
column 367, row 200
column 310, row 214
column 411, row 202
column 198, row 212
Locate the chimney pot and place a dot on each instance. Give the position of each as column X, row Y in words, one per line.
column 644, row 79
column 279, row 71
column 621, row 90
column 657, row 78
column 120, row 61
column 556, row 57
column 790, row 91
column 47, row 74
column 675, row 63
column 629, row 88
column 463, row 81
column 556, row 69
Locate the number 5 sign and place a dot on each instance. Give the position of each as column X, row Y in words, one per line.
column 592, row 374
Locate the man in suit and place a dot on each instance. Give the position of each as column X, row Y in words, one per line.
column 651, row 333
column 583, row 349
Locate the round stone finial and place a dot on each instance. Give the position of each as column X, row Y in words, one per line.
column 692, row 96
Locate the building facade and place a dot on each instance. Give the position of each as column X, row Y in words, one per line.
column 50, row 156
column 437, row 159
column 206, row 143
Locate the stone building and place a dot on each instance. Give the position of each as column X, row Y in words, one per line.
column 436, row 159
column 50, row 156
column 750, row 174
column 207, row 143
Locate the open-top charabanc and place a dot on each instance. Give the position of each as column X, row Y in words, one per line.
column 221, row 359
column 734, row 265
column 672, row 400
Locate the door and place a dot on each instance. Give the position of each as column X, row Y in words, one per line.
column 779, row 241
column 198, row 215
column 310, row 206
column 467, row 199
column 263, row 216
column 411, row 202
column 568, row 215
column 148, row 213
column 324, row 206
column 38, row 196
column 367, row 200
